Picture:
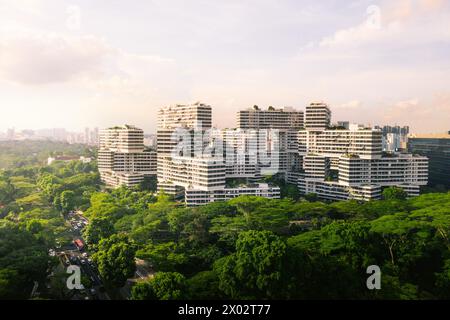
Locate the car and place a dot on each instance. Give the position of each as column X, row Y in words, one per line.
column 84, row 254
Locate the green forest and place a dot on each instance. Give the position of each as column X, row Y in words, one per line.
column 246, row 248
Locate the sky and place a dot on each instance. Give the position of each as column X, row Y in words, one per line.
column 81, row 63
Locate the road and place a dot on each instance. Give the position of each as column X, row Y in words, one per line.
column 72, row 255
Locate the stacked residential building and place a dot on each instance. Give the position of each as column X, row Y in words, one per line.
column 186, row 168
column 122, row 157
column 281, row 127
column 272, row 118
column 340, row 163
column 202, row 164
column 175, row 124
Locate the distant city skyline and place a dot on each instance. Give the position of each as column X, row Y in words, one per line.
column 77, row 64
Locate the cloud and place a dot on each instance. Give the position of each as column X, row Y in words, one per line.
column 38, row 58
column 421, row 113
column 30, row 57
column 33, row 7
column 354, row 104
column 393, row 25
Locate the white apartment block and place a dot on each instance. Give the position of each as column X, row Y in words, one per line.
column 188, row 116
column 122, row 157
column 285, row 124
column 240, row 153
column 199, row 197
column 340, row 164
column 183, row 175
column 317, row 116
column 122, row 139
column 255, row 118
column 192, row 172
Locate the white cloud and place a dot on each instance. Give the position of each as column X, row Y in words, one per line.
column 354, row 104
column 39, row 58
column 30, row 57
column 392, row 26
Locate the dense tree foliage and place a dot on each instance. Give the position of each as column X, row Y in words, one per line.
column 115, row 260
column 163, row 286
column 20, row 154
column 249, row 247
column 258, row 248
column 33, row 198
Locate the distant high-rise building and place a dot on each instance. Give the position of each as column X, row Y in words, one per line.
column 343, row 124
column 87, row 136
column 437, row 148
column 395, row 138
column 10, row 134
column 122, row 157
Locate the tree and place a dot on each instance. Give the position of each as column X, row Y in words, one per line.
column 97, row 229
column 190, row 225
column 163, row 286
column 443, row 281
column 394, row 193
column 255, row 270
column 115, row 259
column 204, row 286
column 9, row 288
column 352, row 241
column 164, row 257
column 67, row 202
column 143, row 290
column 311, row 197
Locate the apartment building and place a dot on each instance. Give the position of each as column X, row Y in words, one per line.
column 177, row 123
column 199, row 197
column 279, row 144
column 185, row 168
column 348, row 162
column 317, row 116
column 122, row 157
column 272, row 118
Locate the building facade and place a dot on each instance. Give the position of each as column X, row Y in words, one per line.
column 272, row 118
column 198, row 170
column 437, row 149
column 122, row 157
column 348, row 161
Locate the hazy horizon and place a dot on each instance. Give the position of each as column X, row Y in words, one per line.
column 77, row 64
